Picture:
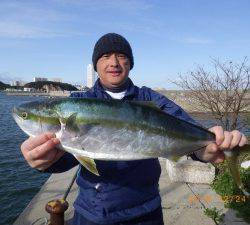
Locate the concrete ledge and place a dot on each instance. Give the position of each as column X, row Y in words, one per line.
column 178, row 202
column 53, row 188
column 188, row 170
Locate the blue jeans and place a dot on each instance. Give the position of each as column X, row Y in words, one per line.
column 152, row 218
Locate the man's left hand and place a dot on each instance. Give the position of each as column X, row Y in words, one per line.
column 225, row 140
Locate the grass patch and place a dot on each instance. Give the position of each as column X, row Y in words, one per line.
column 233, row 198
column 214, row 214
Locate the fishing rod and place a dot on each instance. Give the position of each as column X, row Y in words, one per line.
column 57, row 207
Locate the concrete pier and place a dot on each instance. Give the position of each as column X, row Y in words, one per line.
column 180, row 206
column 54, row 188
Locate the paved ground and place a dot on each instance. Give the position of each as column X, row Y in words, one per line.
column 180, row 207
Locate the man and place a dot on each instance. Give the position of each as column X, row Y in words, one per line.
column 127, row 191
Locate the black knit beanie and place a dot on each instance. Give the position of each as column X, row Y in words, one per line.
column 112, row 42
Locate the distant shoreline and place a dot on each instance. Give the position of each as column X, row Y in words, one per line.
column 22, row 93
column 44, row 94
column 186, row 107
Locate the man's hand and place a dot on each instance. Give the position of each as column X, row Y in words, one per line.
column 40, row 152
column 224, row 140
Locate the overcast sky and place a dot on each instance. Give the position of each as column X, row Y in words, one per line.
column 55, row 38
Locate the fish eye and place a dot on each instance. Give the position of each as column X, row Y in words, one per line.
column 24, row 115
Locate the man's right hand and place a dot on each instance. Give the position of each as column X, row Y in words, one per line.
column 40, row 152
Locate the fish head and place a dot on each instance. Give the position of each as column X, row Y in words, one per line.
column 35, row 118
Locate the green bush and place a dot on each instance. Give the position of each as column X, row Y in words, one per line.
column 232, row 196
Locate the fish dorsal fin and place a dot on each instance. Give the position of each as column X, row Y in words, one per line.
column 88, row 163
column 145, row 103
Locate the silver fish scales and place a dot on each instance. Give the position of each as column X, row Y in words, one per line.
column 116, row 130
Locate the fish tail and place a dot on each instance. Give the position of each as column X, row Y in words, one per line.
column 232, row 161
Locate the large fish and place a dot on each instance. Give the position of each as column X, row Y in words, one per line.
column 114, row 130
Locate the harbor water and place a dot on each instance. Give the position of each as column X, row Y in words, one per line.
column 18, row 182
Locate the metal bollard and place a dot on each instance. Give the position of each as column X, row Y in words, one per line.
column 56, row 209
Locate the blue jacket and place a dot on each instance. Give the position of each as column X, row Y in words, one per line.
column 125, row 189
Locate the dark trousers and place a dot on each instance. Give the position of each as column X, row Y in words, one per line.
column 152, row 218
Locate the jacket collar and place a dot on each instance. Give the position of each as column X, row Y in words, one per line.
column 130, row 92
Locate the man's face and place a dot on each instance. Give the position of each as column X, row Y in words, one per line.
column 113, row 69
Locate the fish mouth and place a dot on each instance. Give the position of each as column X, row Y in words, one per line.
column 32, row 127
column 14, row 112
column 20, row 121
column 15, row 115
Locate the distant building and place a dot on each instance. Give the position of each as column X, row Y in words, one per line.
column 28, row 89
column 17, row 83
column 35, row 79
column 91, row 76
column 57, row 79
column 13, row 89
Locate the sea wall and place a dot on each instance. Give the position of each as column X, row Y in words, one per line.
column 179, row 97
column 45, row 94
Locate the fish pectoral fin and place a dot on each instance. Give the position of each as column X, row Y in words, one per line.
column 89, row 164
column 71, row 123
